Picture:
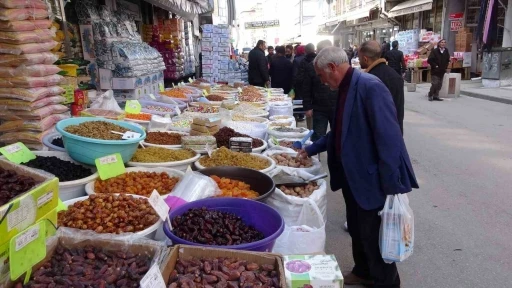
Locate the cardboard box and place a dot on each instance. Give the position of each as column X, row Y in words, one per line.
column 29, row 207
column 457, row 64
column 188, row 252
column 317, row 271
column 204, row 129
column 128, row 83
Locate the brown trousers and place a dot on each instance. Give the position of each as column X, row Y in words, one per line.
column 437, row 83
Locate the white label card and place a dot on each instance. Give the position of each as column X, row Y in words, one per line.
column 131, row 135
column 27, row 237
column 209, row 149
column 13, row 148
column 152, row 96
column 108, row 159
column 153, row 278
column 158, row 203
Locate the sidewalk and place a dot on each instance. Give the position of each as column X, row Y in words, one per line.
column 476, row 90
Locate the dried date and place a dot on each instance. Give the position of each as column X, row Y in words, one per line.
column 12, row 185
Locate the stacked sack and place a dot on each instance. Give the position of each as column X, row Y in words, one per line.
column 29, row 93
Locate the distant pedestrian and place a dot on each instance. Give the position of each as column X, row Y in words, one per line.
column 396, row 59
column 271, row 54
column 258, row 65
column 299, row 56
column 289, row 52
column 369, row 58
column 281, row 71
column 439, row 60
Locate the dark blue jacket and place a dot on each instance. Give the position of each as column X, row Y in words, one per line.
column 281, row 73
column 373, row 153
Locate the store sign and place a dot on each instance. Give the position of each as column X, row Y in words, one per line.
column 262, row 24
column 457, row 16
column 455, row 25
column 410, row 10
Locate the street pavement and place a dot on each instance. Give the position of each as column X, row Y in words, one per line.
column 461, row 150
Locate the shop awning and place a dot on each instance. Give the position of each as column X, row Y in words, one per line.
column 359, row 13
column 411, row 6
column 184, row 8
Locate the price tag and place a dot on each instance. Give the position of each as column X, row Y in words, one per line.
column 133, row 107
column 27, row 249
column 190, row 80
column 158, row 203
column 17, row 153
column 153, row 278
column 131, row 135
column 161, row 87
column 189, row 169
column 110, row 166
column 152, row 96
column 239, row 89
column 205, row 93
column 209, row 149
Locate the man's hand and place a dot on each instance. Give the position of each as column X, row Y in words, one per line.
column 309, row 113
column 302, row 153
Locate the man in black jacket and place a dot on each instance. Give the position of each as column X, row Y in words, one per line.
column 439, row 60
column 396, row 59
column 281, row 71
column 319, row 101
column 258, row 65
column 270, row 50
column 369, row 58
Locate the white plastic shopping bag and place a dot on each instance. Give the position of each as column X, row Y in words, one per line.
column 307, row 237
column 451, row 86
column 396, row 238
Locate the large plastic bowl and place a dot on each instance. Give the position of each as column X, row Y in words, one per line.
column 261, row 216
column 86, row 150
column 258, row 181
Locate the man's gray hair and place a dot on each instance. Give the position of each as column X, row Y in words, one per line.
column 328, row 55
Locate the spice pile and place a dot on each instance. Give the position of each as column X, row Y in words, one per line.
column 284, row 159
column 223, row 272
column 216, row 227
column 163, row 138
column 140, row 116
column 234, row 188
column 225, row 157
column 139, row 182
column 90, row 267
column 225, row 133
column 160, row 155
column 300, row 191
column 64, row 170
column 104, row 213
column 96, row 130
column 12, row 184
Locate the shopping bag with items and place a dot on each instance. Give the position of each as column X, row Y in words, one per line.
column 396, row 237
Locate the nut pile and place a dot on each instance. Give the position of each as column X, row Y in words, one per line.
column 200, row 225
column 222, row 273
column 163, row 138
column 284, row 159
column 160, row 155
column 12, row 184
column 139, row 182
column 289, row 129
column 288, row 144
column 225, row 157
column 64, row 170
column 225, row 133
column 234, row 188
column 90, row 267
column 300, row 191
column 97, row 130
column 105, row 213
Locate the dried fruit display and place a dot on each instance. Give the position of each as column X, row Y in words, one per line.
column 225, row 157
column 97, row 130
column 90, row 267
column 284, row 159
column 300, row 191
column 201, row 225
column 163, row 138
column 64, row 170
column 226, row 133
column 12, row 184
column 234, row 188
column 222, row 273
column 137, row 182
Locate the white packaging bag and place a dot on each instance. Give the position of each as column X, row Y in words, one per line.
column 396, row 237
column 307, row 236
column 106, row 101
column 451, row 86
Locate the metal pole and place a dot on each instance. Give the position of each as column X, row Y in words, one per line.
column 301, row 3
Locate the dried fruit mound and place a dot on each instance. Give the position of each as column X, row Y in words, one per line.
column 12, row 185
column 226, row 133
column 64, row 170
column 97, row 130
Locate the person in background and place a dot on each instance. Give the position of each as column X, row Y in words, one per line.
column 396, row 59
column 355, row 51
column 299, row 56
column 384, row 49
column 258, row 65
column 289, row 52
column 367, row 159
column 370, row 60
column 270, row 50
column 319, row 100
column 439, row 60
column 281, row 71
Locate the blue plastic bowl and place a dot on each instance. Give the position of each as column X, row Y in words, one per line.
column 261, row 216
column 47, row 141
column 86, row 150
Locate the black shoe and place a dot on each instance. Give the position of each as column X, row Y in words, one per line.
column 430, row 98
column 437, row 99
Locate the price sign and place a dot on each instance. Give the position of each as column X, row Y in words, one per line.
column 158, row 203
column 239, row 89
column 27, row 249
column 205, row 93
column 131, row 135
column 152, row 96
column 153, row 278
column 133, row 107
column 17, row 153
column 110, row 166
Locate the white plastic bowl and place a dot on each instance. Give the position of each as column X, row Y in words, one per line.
column 149, row 232
column 142, row 123
column 165, row 146
column 70, row 189
column 89, row 188
column 266, row 170
column 178, row 165
column 261, row 148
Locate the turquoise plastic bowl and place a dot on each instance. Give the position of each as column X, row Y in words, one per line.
column 86, row 150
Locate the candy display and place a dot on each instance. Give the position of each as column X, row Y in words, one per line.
column 225, row 157
column 159, row 154
column 104, row 213
column 218, row 228
column 12, row 185
column 137, row 182
column 97, row 130
column 234, row 188
column 64, row 170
